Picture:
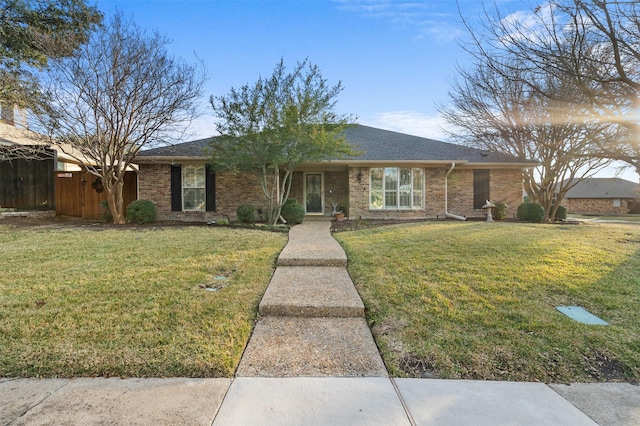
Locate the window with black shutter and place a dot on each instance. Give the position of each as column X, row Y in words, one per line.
column 210, row 189
column 176, row 188
column 480, row 188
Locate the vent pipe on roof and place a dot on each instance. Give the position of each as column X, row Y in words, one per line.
column 446, row 197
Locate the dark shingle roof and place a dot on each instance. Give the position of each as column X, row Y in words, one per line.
column 604, row 188
column 374, row 145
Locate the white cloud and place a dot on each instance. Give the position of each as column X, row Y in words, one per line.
column 410, row 122
column 430, row 20
column 200, row 128
column 528, row 24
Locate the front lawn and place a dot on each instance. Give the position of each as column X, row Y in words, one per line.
column 477, row 300
column 147, row 302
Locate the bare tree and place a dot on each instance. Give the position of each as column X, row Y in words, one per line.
column 595, row 44
column 494, row 109
column 121, row 92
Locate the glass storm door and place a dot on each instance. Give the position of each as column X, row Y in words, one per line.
column 313, row 186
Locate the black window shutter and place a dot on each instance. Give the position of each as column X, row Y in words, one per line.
column 210, row 194
column 481, row 188
column 176, row 188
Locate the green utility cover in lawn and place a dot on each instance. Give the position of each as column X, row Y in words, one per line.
column 580, row 314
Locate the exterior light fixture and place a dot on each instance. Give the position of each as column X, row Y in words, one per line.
column 359, row 176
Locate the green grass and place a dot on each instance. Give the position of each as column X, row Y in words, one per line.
column 477, row 300
column 127, row 302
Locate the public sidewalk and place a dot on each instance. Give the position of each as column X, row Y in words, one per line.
column 312, row 361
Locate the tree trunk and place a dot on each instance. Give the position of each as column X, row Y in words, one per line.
column 116, row 202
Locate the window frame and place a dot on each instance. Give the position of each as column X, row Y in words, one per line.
column 203, row 188
column 386, row 184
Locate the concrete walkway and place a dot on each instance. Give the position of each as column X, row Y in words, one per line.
column 311, row 317
column 311, row 360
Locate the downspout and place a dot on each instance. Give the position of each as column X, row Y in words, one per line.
column 446, row 197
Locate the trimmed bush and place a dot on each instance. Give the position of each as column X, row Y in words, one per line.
column 499, row 211
column 531, row 212
column 246, row 213
column 561, row 213
column 292, row 212
column 141, row 212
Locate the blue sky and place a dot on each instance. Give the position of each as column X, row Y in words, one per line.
column 395, row 58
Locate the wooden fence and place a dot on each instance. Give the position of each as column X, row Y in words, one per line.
column 27, row 184
column 80, row 194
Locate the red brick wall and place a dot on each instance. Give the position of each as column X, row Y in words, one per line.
column 505, row 187
column 596, row 206
column 154, row 183
column 231, row 191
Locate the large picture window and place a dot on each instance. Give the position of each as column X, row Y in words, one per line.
column 193, row 187
column 396, row 188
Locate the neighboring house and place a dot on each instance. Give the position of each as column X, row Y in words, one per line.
column 396, row 176
column 602, row 196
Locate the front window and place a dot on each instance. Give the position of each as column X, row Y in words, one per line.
column 193, row 187
column 396, row 188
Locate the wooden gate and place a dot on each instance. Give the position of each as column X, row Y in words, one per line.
column 80, row 194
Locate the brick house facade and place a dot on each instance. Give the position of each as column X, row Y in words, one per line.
column 602, row 196
column 411, row 183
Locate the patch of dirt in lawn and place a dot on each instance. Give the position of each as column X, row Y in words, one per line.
column 416, row 367
column 603, row 366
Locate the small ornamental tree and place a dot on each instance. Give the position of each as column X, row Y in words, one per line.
column 272, row 126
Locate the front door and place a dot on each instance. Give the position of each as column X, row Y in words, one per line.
column 313, row 192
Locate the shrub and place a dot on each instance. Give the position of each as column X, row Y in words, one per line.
column 499, row 211
column 292, row 212
column 141, row 212
column 561, row 213
column 246, row 213
column 223, row 221
column 104, row 210
column 531, row 212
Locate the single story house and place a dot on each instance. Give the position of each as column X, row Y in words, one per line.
column 602, row 196
column 396, row 176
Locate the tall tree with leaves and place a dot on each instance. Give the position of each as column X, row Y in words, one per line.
column 31, row 33
column 272, row 126
column 122, row 91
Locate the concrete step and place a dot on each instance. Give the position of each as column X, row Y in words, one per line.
column 311, row 244
column 307, row 291
column 311, row 347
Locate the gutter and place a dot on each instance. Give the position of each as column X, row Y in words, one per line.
column 446, row 197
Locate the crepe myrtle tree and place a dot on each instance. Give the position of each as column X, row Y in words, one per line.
column 120, row 92
column 270, row 127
